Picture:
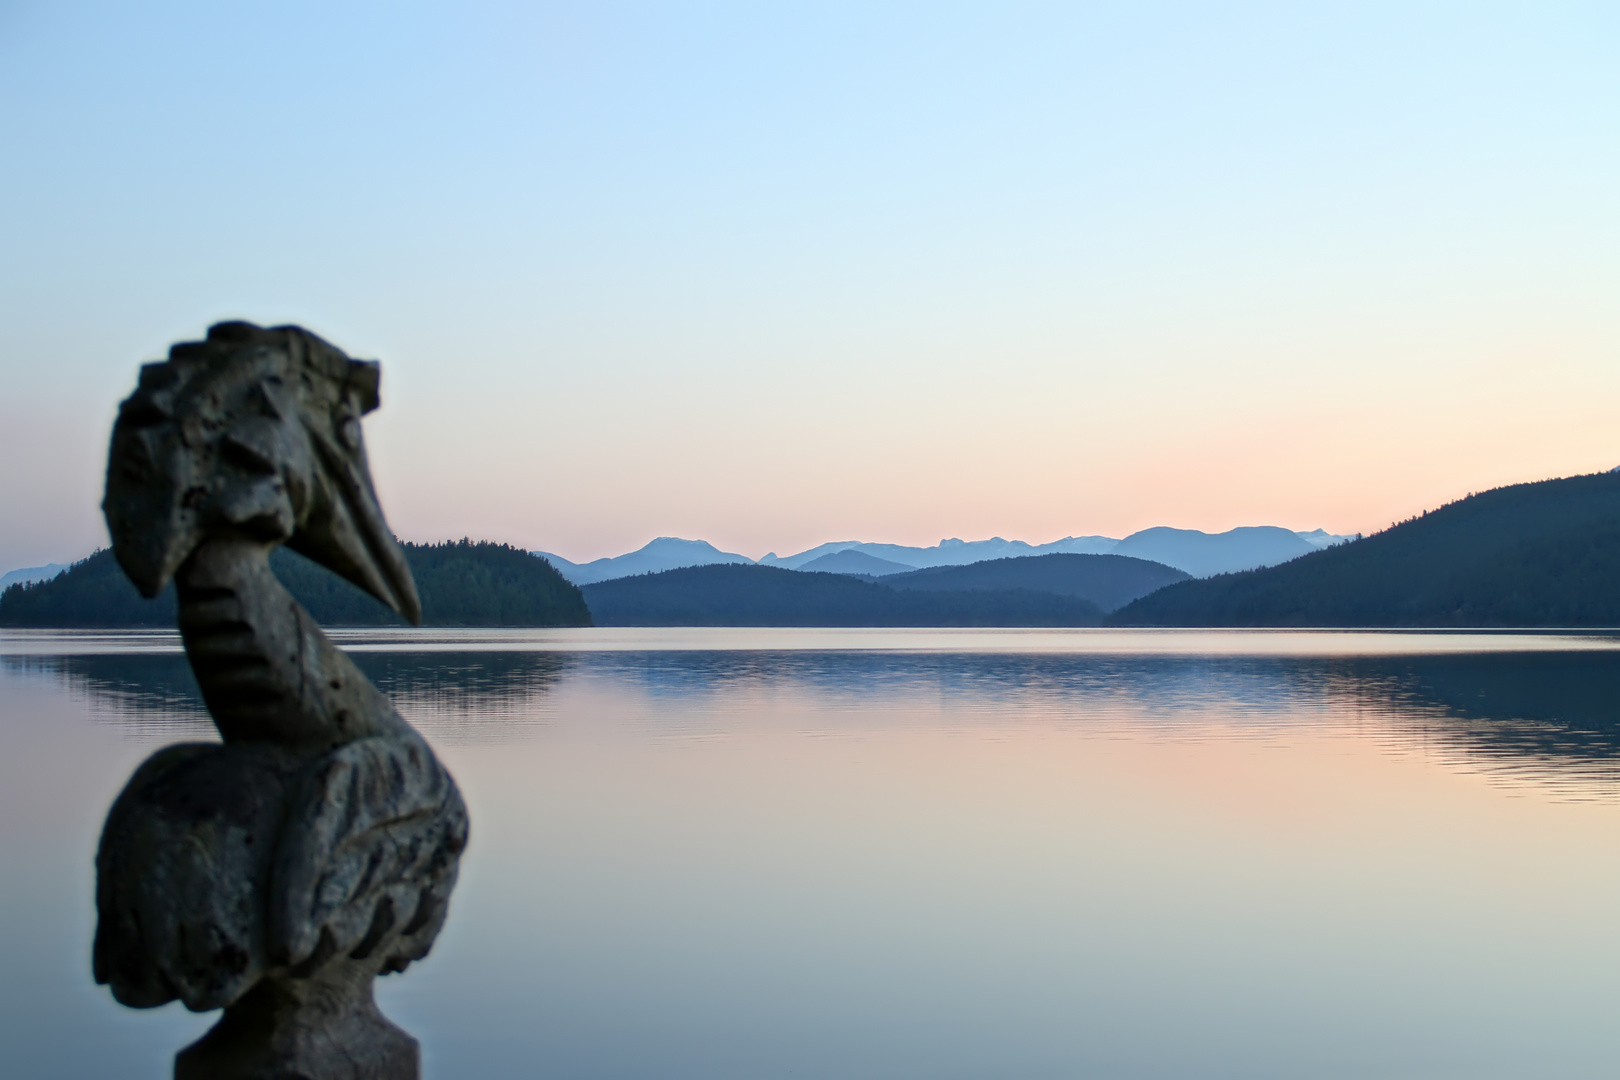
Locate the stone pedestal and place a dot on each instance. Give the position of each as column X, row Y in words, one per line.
column 326, row 1029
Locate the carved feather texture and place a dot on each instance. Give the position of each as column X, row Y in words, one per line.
column 377, row 826
column 181, row 873
column 219, row 865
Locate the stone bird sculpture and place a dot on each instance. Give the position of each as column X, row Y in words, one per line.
column 276, row 873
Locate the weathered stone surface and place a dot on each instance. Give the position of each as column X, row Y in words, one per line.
column 277, row 873
column 326, row 1027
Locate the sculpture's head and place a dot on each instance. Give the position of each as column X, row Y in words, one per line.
column 252, row 433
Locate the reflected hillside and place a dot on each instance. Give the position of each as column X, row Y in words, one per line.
column 1089, row 689
column 449, row 696
column 1554, row 718
column 478, row 696
column 152, row 694
column 1546, row 718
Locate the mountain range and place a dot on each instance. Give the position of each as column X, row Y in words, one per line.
column 1545, row 554
column 664, row 553
column 1198, row 554
column 1188, row 550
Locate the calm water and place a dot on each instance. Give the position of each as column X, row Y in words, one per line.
column 923, row 854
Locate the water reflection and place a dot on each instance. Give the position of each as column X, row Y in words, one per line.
column 149, row 695
column 1548, row 718
column 469, row 697
column 907, row 863
column 453, row 697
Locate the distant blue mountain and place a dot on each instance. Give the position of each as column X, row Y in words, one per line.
column 854, row 561
column 1197, row 553
column 947, row 552
column 794, row 562
column 664, row 553
column 31, row 574
column 1204, row 554
column 1321, row 538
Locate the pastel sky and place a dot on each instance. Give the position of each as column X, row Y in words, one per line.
column 775, row 274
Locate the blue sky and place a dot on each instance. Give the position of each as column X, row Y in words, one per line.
column 773, row 276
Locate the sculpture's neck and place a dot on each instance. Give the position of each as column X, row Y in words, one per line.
column 267, row 672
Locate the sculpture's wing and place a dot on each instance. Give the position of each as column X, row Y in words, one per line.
column 183, row 862
column 368, row 856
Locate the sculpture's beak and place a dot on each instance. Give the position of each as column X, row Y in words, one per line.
column 346, row 532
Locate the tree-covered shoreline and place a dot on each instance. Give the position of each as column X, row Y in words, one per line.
column 1543, row 554
column 460, row 582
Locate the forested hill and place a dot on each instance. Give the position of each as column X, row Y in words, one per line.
column 747, row 595
column 1542, row 554
column 1109, row 581
column 460, row 583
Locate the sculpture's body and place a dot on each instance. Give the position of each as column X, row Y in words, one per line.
column 277, row 874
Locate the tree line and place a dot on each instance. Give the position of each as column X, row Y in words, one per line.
column 460, row 583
